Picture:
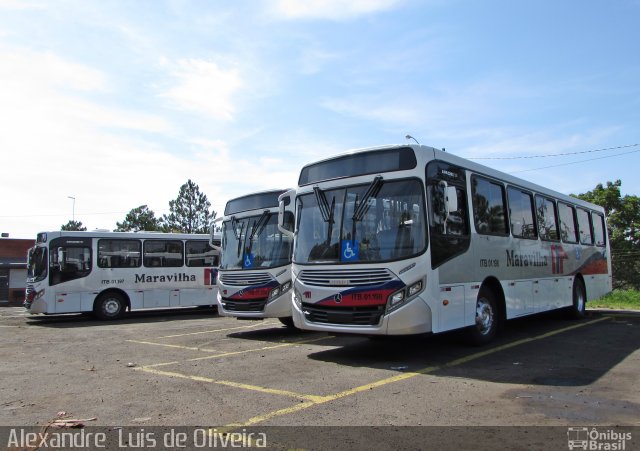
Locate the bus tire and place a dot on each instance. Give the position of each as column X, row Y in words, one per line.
column 577, row 310
column 487, row 319
column 109, row 306
column 287, row 321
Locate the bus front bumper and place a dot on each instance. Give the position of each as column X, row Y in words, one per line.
column 37, row 306
column 277, row 308
column 412, row 318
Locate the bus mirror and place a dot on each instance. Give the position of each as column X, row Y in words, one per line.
column 61, row 258
column 439, row 195
column 451, row 199
column 213, row 240
column 285, row 205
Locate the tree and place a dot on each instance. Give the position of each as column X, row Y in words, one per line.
column 623, row 219
column 73, row 225
column 139, row 218
column 189, row 212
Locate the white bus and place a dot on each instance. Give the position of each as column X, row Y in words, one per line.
column 409, row 239
column 255, row 259
column 108, row 273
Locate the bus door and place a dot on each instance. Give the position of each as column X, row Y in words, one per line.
column 449, row 235
column 69, row 263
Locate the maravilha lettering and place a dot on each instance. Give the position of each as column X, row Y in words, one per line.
column 176, row 277
column 533, row 259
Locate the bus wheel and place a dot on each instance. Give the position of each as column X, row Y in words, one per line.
column 287, row 321
column 109, row 306
column 577, row 310
column 487, row 318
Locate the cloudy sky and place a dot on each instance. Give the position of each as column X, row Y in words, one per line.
column 118, row 103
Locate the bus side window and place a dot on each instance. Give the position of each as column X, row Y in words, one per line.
column 568, row 229
column 489, row 207
column 584, row 226
column 521, row 213
column 119, row 253
column 547, row 219
column 599, row 235
column 164, row 253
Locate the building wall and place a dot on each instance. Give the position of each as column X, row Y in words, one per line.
column 17, row 284
column 16, row 248
column 13, row 256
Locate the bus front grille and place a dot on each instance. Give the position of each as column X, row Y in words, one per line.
column 345, row 277
column 244, row 306
column 355, row 316
column 244, row 278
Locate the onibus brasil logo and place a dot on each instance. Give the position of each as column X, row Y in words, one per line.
column 594, row 439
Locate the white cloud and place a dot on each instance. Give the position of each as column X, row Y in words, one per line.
column 58, row 141
column 378, row 110
column 38, row 70
column 203, row 87
column 330, row 9
column 313, row 61
column 21, row 4
column 226, row 173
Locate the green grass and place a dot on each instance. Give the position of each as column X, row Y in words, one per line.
column 618, row 300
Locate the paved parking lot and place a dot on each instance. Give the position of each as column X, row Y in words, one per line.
column 194, row 368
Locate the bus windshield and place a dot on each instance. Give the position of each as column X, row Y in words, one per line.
column 381, row 221
column 254, row 242
column 37, row 263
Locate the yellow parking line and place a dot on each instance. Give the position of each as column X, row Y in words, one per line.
column 172, row 346
column 155, row 365
column 219, row 330
column 276, row 413
column 622, row 315
column 273, row 391
column 226, row 354
column 264, row 348
column 404, row 376
column 148, row 369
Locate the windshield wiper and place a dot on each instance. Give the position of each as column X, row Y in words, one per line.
column 260, row 224
column 234, row 227
column 237, row 234
column 325, row 210
column 323, row 204
column 257, row 228
column 363, row 206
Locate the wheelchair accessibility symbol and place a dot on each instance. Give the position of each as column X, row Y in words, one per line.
column 248, row 261
column 350, row 251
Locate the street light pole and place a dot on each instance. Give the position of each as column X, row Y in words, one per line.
column 73, row 209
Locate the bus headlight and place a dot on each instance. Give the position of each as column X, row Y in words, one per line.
column 415, row 288
column 396, row 298
column 34, row 296
column 279, row 290
column 403, row 296
column 297, row 298
column 274, row 293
